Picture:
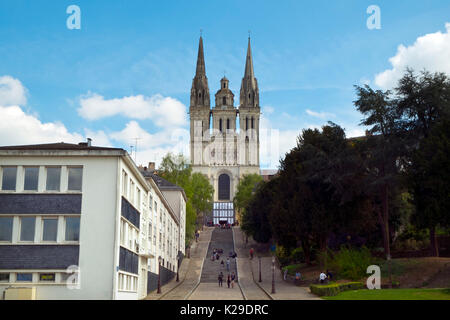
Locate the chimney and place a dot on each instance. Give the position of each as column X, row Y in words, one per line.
column 89, row 142
column 151, row 166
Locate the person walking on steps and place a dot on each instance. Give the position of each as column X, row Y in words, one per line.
column 228, row 280
column 220, row 279
column 228, row 264
column 251, row 253
column 233, row 277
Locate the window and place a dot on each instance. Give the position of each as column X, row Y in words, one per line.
column 150, row 232
column 72, row 229
column 246, row 123
column 150, row 203
column 27, row 227
column 53, row 178
column 224, row 100
column 228, row 124
column 47, row 277
column 131, row 192
column 253, row 122
column 124, row 183
column 6, row 225
column 4, row 277
column 220, row 125
column 122, row 232
column 75, row 179
column 31, row 178
column 138, row 204
column 49, row 229
column 24, row 277
column 9, row 178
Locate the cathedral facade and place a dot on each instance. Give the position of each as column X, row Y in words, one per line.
column 224, row 140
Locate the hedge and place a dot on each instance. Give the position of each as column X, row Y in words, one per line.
column 335, row 288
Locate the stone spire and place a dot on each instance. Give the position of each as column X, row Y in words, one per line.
column 200, row 89
column 249, row 96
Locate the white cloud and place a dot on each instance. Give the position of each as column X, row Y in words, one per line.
column 163, row 111
column 430, row 52
column 17, row 127
column 152, row 147
column 12, row 92
column 321, row 115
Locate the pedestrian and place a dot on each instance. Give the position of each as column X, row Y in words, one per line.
column 217, row 256
column 233, row 277
column 220, row 279
column 285, row 274
column 322, row 277
column 297, row 277
column 212, row 257
column 196, row 236
column 223, row 265
column 228, row 264
column 251, row 253
column 329, row 275
column 228, row 280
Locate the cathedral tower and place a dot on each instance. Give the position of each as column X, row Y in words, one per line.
column 199, row 109
column 218, row 150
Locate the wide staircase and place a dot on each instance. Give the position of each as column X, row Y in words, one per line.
column 220, row 239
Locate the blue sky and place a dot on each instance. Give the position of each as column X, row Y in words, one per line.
column 307, row 57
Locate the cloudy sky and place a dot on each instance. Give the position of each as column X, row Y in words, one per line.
column 127, row 72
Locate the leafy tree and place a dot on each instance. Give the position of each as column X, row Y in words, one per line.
column 255, row 221
column 424, row 102
column 245, row 191
column 429, row 177
column 202, row 195
column 199, row 191
column 384, row 147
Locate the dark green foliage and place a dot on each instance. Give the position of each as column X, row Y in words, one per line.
column 351, row 263
column 335, row 288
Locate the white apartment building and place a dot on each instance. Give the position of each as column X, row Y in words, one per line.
column 81, row 222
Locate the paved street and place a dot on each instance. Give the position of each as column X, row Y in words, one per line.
column 201, row 267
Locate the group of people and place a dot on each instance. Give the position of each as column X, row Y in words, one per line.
column 230, row 279
column 325, row 277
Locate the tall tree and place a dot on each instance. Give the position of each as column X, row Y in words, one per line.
column 424, row 101
column 429, row 177
column 245, row 191
column 199, row 192
column 384, row 146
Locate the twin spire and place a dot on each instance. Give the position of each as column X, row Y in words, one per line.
column 249, row 95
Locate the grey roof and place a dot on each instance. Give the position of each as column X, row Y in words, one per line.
column 57, row 146
column 162, row 183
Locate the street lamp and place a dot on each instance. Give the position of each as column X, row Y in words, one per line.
column 273, row 274
column 259, row 258
column 159, row 275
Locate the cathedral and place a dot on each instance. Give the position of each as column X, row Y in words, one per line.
column 224, row 140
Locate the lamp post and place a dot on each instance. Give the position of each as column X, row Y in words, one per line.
column 159, row 275
column 273, row 274
column 259, row 258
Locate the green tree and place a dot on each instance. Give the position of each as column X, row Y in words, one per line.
column 245, row 192
column 255, row 221
column 202, row 195
column 198, row 190
column 429, row 176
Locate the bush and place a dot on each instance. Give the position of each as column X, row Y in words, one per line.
column 282, row 255
column 335, row 288
column 351, row 263
column 292, row 268
column 297, row 255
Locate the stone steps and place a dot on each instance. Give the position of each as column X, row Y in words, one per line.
column 220, row 239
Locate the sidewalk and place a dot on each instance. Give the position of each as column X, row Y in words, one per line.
column 189, row 273
column 283, row 290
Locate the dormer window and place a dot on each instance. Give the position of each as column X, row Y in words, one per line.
column 224, row 85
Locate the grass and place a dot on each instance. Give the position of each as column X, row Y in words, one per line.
column 393, row 294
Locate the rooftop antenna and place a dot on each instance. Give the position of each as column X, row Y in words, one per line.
column 135, row 149
column 249, row 32
column 201, row 32
column 131, row 150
